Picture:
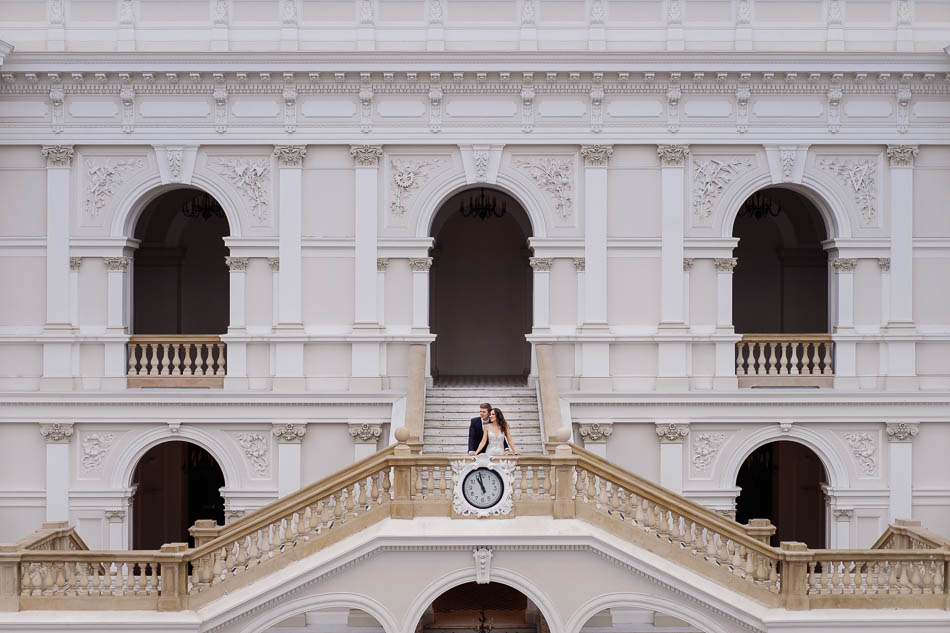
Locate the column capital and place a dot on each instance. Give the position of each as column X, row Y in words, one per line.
column 844, row 264
column 365, row 432
column 726, row 264
column 420, row 264
column 901, row 431
column 58, row 155
column 541, row 264
column 366, row 155
column 902, row 155
column 672, row 155
column 75, row 263
column 236, row 264
column 843, row 514
column 596, row 155
column 290, row 155
column 596, row 432
column 289, row 433
column 580, row 264
column 672, row 433
column 274, row 263
column 119, row 264
column 382, row 264
column 688, row 264
column 57, row 433
column 884, row 263
column 115, row 516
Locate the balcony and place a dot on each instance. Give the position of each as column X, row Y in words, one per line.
column 198, row 361
column 785, row 360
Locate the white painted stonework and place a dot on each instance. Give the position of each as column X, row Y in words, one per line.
column 631, row 133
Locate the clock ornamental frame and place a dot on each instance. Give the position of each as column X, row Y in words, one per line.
column 462, row 467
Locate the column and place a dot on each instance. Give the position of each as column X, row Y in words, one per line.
column 542, row 292
column 580, row 268
column 885, row 265
column 117, row 530
column 725, row 376
column 117, row 310
column 57, row 356
column 900, row 463
column 366, row 199
column 845, row 350
column 902, row 360
column 75, row 263
column 274, row 263
column 237, row 350
column 289, row 437
column 672, row 227
column 841, row 528
column 596, row 158
column 57, row 438
column 687, row 268
column 420, row 293
column 672, row 446
column 288, row 370
column 365, row 438
column 595, row 436
column 381, row 266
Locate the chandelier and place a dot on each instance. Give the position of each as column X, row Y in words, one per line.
column 482, row 207
column 759, row 206
column 202, row 206
column 483, row 625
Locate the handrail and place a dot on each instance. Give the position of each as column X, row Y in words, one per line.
column 53, row 536
column 905, row 534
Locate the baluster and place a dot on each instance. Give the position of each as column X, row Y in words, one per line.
column 187, row 366
column 826, row 360
column 139, row 578
column 131, row 369
column 771, row 362
column 339, row 500
column 317, row 520
column 417, row 483
column 591, row 492
column 613, row 500
column 579, row 486
column 153, row 576
column 814, row 368
column 175, row 361
column 350, row 501
column 533, row 473
column 602, row 500
column 793, row 359
column 363, row 499
column 449, row 484
column 741, row 348
column 639, row 514
column 711, row 549
column 522, row 483
column 927, row 578
column 374, row 488
column 761, row 572
column 387, row 484
column 148, row 364
column 253, row 551
column 773, row 576
column 761, row 368
column 222, row 359
column 781, row 350
column 891, row 577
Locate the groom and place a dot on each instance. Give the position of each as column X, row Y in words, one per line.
column 475, row 429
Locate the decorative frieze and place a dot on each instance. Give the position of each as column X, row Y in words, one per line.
column 58, row 155
column 863, row 449
column 420, row 264
column 290, row 433
column 365, row 433
column 710, row 178
column 596, row 155
column 902, row 155
column 366, row 155
column 117, row 264
column 59, row 432
column 596, row 432
column 705, row 446
column 408, row 175
column 482, row 557
column 236, row 264
column 859, row 176
column 251, row 177
column 95, row 447
column 290, row 155
column 555, row 176
column 254, row 446
column 844, row 264
column 672, row 433
column 672, row 155
column 103, row 178
column 541, row 264
column 726, row 264
column 901, row 431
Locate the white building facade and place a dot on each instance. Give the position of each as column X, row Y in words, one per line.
column 228, row 224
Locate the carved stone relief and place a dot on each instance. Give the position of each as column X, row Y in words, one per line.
column 554, row 176
column 365, row 433
column 407, row 177
column 251, row 177
column 104, row 177
column 864, row 449
column 860, row 178
column 705, row 446
column 95, row 446
column 482, row 557
column 255, row 447
column 53, row 433
column 597, row 432
column 710, row 178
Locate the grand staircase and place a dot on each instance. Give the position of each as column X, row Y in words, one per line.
column 449, row 411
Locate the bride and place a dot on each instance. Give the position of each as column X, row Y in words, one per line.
column 496, row 433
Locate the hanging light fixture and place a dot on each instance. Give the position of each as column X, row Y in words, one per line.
column 482, row 207
column 202, row 206
column 759, row 205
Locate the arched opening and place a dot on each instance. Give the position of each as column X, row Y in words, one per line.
column 636, row 620
column 482, row 608
column 480, row 287
column 335, row 620
column 782, row 481
column 179, row 272
column 176, row 483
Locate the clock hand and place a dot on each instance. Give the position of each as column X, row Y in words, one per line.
column 480, row 483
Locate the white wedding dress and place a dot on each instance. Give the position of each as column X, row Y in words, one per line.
column 496, row 443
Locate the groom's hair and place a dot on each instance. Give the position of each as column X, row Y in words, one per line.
column 485, row 405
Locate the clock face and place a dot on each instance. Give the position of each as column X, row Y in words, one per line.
column 483, row 488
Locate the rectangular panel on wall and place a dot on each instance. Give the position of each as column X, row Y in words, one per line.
column 401, row 10
column 328, row 11
column 174, row 10
column 93, row 11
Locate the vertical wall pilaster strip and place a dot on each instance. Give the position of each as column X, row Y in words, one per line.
column 366, row 197
column 290, row 169
column 673, row 159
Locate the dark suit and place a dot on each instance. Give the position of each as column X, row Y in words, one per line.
column 475, row 433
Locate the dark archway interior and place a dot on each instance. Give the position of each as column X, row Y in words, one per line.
column 462, row 607
column 180, row 279
column 480, row 290
column 781, row 282
column 781, row 481
column 177, row 483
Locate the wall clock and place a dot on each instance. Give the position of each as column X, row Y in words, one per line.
column 482, row 487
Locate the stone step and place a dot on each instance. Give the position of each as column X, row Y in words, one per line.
column 466, row 410
column 475, row 402
column 461, row 433
column 456, row 420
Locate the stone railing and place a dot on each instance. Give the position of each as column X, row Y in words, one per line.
column 905, row 534
column 176, row 361
column 572, row 483
column 55, row 536
column 785, row 360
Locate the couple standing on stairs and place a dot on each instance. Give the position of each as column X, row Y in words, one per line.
column 491, row 428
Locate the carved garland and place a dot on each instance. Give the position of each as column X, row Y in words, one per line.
column 104, row 179
column 710, row 178
column 252, row 178
column 553, row 175
column 407, row 177
column 860, row 177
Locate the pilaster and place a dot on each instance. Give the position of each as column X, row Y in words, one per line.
column 542, row 292
column 900, row 445
column 902, row 356
column 58, row 438
column 382, row 265
column 420, row 293
column 118, row 530
column 57, row 356
column 845, row 350
column 289, row 437
column 580, row 269
column 672, row 355
column 365, row 437
column 288, row 370
column 672, row 438
column 595, row 436
column 725, row 376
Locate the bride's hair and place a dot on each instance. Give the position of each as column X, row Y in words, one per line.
column 502, row 422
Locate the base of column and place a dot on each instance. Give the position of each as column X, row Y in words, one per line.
column 236, row 383
column 113, row 383
column 846, row 382
column 725, row 383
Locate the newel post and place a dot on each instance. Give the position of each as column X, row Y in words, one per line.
column 174, row 577
column 563, row 462
column 204, row 531
column 795, row 557
column 9, row 578
column 401, row 505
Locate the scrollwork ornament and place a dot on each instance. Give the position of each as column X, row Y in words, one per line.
column 672, row 155
column 482, row 557
column 480, row 157
column 884, row 263
column 289, row 433
column 54, row 433
column 251, row 177
column 705, row 447
column 596, row 432
column 95, row 446
column 555, row 176
column 902, row 155
column 528, row 12
column 407, row 178
column 863, row 448
column 788, row 158
column 860, row 177
column 365, row 433
column 254, row 446
column 58, row 155
column 596, row 155
column 901, row 431
column 672, row 433
column 56, row 12
column 710, row 178
column 366, row 155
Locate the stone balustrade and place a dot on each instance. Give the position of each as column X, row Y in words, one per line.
column 176, row 361
column 571, row 483
column 785, row 360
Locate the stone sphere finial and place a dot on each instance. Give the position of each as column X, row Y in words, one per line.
column 563, row 434
column 402, row 434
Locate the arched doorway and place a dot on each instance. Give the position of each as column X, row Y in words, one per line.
column 176, row 483
column 480, row 287
column 782, row 481
column 780, row 284
column 630, row 620
column 482, row 608
column 180, row 279
column 337, row 620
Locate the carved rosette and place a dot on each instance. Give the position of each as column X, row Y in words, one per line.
column 726, row 264
column 672, row 155
column 596, row 432
column 596, row 155
column 236, row 264
column 420, row 264
column 901, row 431
column 366, row 155
column 541, row 264
column 289, row 433
column 117, row 264
column 408, row 176
column 56, row 433
column 290, row 155
column 902, row 155
column 365, row 433
column 58, row 155
column 844, row 264
column 672, row 433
